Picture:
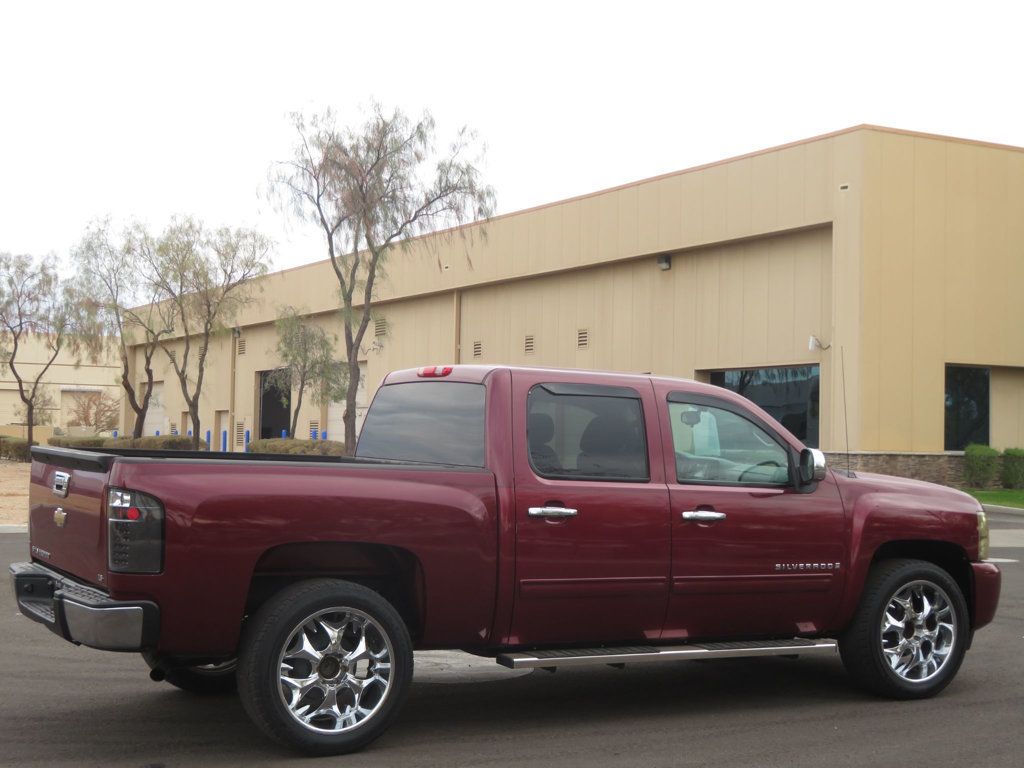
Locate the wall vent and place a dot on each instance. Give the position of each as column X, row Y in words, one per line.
column 174, row 428
column 240, row 346
column 528, row 345
column 173, row 354
column 239, row 433
column 478, row 348
column 582, row 338
column 380, row 326
column 314, row 430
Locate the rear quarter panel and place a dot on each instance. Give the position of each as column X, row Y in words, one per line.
column 222, row 516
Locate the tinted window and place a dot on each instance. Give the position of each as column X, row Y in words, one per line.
column 577, row 437
column 967, row 393
column 430, row 421
column 718, row 446
column 790, row 394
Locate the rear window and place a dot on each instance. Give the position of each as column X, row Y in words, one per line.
column 435, row 422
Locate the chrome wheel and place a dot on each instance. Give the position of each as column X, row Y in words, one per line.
column 918, row 631
column 335, row 670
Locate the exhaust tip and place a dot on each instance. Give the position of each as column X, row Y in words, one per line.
column 157, row 675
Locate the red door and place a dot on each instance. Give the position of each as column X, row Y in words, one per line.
column 592, row 514
column 751, row 553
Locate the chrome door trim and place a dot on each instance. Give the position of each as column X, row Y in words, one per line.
column 703, row 515
column 551, row 512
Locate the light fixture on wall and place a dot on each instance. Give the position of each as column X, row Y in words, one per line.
column 665, row 262
column 815, row 343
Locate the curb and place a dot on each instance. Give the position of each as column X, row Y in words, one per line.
column 1003, row 510
column 13, row 528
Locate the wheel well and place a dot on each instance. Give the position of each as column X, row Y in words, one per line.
column 392, row 572
column 950, row 557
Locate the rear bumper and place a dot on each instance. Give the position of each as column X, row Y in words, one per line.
column 987, row 583
column 83, row 614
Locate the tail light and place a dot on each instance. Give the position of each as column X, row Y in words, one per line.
column 135, row 532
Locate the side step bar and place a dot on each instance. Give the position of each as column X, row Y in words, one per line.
column 577, row 657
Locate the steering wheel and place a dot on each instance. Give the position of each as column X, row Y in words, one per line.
column 768, row 463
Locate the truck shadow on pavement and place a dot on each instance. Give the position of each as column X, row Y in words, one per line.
column 158, row 725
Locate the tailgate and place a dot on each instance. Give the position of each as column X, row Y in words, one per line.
column 66, row 521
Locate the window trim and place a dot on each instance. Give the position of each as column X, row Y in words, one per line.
column 590, row 390
column 686, row 398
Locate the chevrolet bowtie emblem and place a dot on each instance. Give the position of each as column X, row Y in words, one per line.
column 59, row 517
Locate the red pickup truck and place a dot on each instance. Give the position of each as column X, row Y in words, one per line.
column 542, row 517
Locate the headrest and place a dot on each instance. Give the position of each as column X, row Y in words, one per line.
column 540, row 428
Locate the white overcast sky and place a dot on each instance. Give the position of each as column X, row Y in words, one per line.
column 143, row 110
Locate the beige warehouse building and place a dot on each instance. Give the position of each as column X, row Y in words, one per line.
column 901, row 253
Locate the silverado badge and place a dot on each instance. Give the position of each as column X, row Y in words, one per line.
column 59, row 517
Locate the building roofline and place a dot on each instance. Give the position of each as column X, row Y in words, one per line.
column 691, row 169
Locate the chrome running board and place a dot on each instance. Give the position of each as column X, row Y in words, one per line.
column 576, row 657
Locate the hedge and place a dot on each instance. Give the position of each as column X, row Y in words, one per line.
column 1013, row 468
column 89, row 441
column 15, row 448
column 291, row 445
column 154, row 443
column 981, row 463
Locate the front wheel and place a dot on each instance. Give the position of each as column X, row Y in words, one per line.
column 910, row 633
column 325, row 666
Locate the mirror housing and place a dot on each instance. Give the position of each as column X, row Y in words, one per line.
column 812, row 466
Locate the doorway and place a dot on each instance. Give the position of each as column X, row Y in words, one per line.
column 275, row 407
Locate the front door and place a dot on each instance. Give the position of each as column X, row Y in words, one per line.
column 592, row 517
column 751, row 553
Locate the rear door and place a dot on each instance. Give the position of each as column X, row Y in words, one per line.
column 591, row 516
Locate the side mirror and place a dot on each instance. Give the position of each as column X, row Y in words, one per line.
column 812, row 465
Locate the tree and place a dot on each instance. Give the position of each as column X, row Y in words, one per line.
column 98, row 411
column 369, row 190
column 307, row 354
column 110, row 276
column 36, row 307
column 201, row 279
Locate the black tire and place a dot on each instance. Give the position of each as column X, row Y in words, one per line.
column 861, row 646
column 207, row 679
column 273, row 635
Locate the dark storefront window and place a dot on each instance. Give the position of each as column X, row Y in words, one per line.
column 789, row 394
column 966, row 406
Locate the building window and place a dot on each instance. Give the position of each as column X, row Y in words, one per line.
column 967, row 406
column 790, row 394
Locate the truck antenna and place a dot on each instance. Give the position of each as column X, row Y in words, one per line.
column 846, row 419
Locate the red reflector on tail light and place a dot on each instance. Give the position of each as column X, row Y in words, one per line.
column 132, row 513
column 434, row 371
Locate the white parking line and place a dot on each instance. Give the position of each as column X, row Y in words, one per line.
column 1001, row 560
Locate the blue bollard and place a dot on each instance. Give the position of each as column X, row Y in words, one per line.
column 247, row 441
column 209, row 444
column 224, row 441
column 158, row 433
column 284, row 433
column 323, row 434
column 190, row 433
column 114, row 433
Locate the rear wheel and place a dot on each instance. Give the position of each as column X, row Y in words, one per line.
column 325, row 666
column 909, row 635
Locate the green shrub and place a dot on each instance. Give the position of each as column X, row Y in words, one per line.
column 981, row 464
column 1013, row 468
column 89, row 441
column 154, row 443
column 15, row 448
column 292, row 446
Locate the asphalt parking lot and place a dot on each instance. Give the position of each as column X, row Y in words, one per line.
column 62, row 705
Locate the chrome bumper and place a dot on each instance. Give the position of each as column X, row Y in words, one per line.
column 83, row 614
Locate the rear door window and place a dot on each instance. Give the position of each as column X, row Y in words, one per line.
column 591, row 435
column 432, row 422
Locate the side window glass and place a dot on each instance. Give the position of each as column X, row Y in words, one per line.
column 718, row 446
column 586, row 437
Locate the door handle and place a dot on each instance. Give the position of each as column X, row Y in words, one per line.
column 551, row 512
column 703, row 515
